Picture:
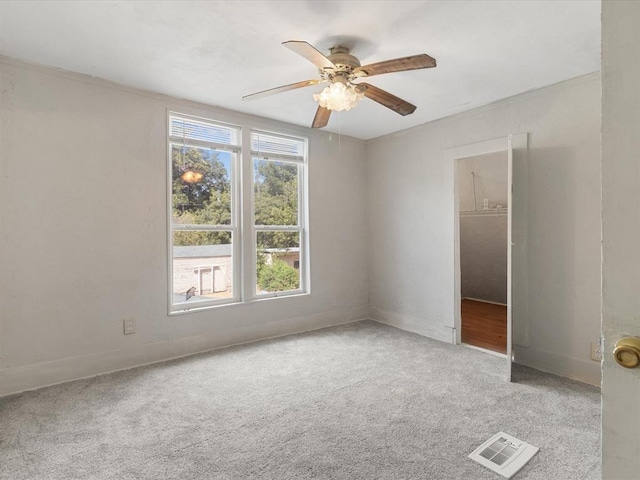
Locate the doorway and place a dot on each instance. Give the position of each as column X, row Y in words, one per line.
column 516, row 209
column 482, row 187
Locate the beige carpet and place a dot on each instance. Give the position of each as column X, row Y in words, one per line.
column 361, row 401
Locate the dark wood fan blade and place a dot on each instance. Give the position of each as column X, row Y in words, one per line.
column 283, row 88
column 322, row 117
column 309, row 52
column 388, row 100
column 413, row 62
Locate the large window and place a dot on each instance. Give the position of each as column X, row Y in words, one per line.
column 278, row 175
column 227, row 243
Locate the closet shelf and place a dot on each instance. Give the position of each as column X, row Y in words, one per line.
column 484, row 213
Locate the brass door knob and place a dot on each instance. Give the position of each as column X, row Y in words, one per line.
column 627, row 352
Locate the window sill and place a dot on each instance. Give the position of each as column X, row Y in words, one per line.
column 263, row 298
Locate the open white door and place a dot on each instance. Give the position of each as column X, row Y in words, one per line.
column 620, row 237
column 509, row 256
column 517, row 263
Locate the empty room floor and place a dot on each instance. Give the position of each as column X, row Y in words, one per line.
column 361, row 400
column 484, row 325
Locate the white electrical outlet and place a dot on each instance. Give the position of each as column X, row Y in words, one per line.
column 596, row 351
column 129, row 325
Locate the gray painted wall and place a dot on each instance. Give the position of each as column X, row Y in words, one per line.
column 483, row 237
column 483, row 257
column 83, row 205
column 490, row 174
column 412, row 214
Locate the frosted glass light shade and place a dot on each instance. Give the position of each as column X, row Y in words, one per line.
column 338, row 97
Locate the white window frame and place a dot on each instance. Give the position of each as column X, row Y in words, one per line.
column 242, row 227
column 233, row 227
column 301, row 162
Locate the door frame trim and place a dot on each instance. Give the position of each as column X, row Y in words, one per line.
column 508, row 143
column 451, row 155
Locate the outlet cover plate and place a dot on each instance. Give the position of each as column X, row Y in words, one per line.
column 596, row 351
column 129, row 326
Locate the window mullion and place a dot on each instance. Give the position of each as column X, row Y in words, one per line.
column 202, row 144
column 275, row 157
column 204, row 227
column 277, row 228
column 247, row 220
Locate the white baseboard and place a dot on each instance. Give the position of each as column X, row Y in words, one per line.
column 30, row 377
column 413, row 324
column 586, row 371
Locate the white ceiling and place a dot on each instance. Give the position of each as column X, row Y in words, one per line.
column 215, row 52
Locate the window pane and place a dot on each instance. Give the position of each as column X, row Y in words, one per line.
column 278, row 260
column 202, row 266
column 275, row 192
column 201, row 185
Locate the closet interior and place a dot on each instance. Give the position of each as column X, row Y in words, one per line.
column 482, row 216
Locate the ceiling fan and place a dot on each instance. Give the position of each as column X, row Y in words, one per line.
column 340, row 69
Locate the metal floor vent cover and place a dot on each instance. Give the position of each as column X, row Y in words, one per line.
column 504, row 454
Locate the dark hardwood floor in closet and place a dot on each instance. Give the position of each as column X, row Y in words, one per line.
column 484, row 325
